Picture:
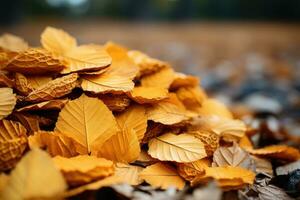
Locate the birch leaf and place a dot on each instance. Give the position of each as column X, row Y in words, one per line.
column 144, row 95
column 162, row 78
column 129, row 173
column 35, row 177
column 7, row 102
column 162, row 176
column 87, row 121
column 134, row 118
column 179, row 148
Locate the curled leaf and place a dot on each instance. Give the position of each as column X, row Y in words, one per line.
column 144, row 95
column 183, row 80
column 57, row 104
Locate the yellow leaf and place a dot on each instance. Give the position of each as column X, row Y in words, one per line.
column 13, row 43
column 57, row 104
column 134, row 118
column 143, row 95
column 7, row 102
column 122, row 147
column 87, row 121
column 118, row 77
column 35, row 177
column 183, row 80
column 37, row 81
column 115, row 102
column 129, row 173
column 213, row 107
column 13, row 142
column 162, row 176
column 162, row 78
column 84, row 169
column 191, row 97
column 190, row 170
column 179, row 148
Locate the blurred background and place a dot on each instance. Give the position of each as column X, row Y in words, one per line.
column 247, row 53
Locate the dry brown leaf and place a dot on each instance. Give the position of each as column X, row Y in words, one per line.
column 122, row 147
column 232, row 156
column 5, row 81
column 134, row 118
column 278, row 152
column 87, row 121
column 262, row 165
column 13, row 142
column 119, row 76
column 162, row 176
column 57, row 104
column 190, row 170
column 146, row 64
column 191, row 97
column 183, row 80
column 13, row 43
column 153, row 130
column 56, row 144
column 35, row 177
column 34, row 61
column 179, row 148
column 129, row 173
column 115, row 102
column 30, row 122
column 162, row 78
column 213, row 107
column 84, row 169
column 75, row 58
column 7, row 102
column 209, row 139
column 144, row 95
column 54, row 89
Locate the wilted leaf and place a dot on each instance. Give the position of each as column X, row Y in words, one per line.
column 57, row 104
column 87, row 121
column 7, row 102
column 134, row 118
column 146, row 64
column 54, row 89
column 183, row 80
column 162, row 175
column 34, row 61
column 56, row 144
column 13, row 142
column 122, row 147
column 13, row 43
column 117, row 79
column 190, row 170
column 84, row 169
column 162, row 78
column 35, row 177
column 213, row 107
column 278, row 152
column 144, row 95
column 129, row 173
column 232, row 156
column 115, row 102
column 179, row 148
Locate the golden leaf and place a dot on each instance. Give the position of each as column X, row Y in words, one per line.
column 13, row 142
column 75, row 58
column 162, row 78
column 153, row 130
column 183, row 80
column 167, row 112
column 13, row 43
column 134, row 118
column 209, row 139
column 262, row 165
column 179, row 148
column 57, row 104
column 37, row 81
column 87, row 121
column 190, row 170
column 245, row 142
column 146, row 64
column 35, row 177
column 232, row 156
column 3, row 180
column 118, row 77
column 213, row 107
column 7, row 102
column 277, row 151
column 56, row 144
column 129, row 173
column 34, row 61
column 162, row 176
column 191, row 97
column 54, row 89
column 143, row 95
column 115, row 102
column 123, row 147
column 83, row 169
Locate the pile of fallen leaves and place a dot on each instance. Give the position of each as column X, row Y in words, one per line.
column 81, row 117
